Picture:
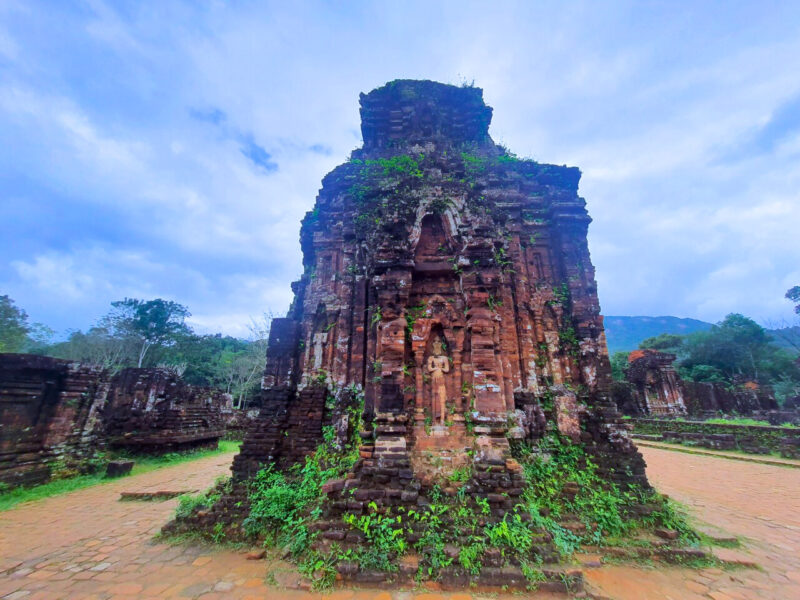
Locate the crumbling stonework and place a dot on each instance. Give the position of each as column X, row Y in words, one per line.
column 710, row 399
column 450, row 283
column 656, row 385
column 653, row 387
column 49, row 411
column 56, row 415
column 153, row 410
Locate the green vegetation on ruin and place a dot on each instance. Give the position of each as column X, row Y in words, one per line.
column 284, row 507
column 67, row 480
column 747, row 421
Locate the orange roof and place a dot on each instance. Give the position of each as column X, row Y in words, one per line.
column 636, row 355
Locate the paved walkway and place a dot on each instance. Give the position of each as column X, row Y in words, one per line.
column 88, row 545
column 756, row 502
column 767, row 459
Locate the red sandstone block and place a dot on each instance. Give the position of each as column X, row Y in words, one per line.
column 335, row 485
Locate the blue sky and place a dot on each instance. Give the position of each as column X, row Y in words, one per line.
column 170, row 149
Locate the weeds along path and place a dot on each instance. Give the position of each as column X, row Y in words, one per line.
column 760, row 504
column 89, row 545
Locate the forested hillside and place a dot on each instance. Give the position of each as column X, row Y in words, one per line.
column 625, row 333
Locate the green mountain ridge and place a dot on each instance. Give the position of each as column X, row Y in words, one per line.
column 625, row 333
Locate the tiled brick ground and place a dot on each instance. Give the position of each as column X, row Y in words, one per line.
column 88, row 545
column 760, row 503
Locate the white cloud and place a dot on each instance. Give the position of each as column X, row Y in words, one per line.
column 649, row 104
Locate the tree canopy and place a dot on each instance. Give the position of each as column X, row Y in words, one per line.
column 150, row 333
column 151, row 322
column 17, row 333
column 793, row 294
column 735, row 350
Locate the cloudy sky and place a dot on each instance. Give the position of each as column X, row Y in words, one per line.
column 170, row 149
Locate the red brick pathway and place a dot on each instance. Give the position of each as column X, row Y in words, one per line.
column 760, row 503
column 88, row 545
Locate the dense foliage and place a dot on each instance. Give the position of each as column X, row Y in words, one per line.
column 148, row 333
column 735, row 350
column 17, row 333
column 456, row 531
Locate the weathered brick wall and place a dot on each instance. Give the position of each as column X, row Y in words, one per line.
column 653, row 387
column 59, row 413
column 754, row 439
column 154, row 410
column 656, row 385
column 49, row 410
column 237, row 422
column 288, row 428
column 706, row 398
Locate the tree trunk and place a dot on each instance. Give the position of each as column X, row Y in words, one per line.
column 142, row 352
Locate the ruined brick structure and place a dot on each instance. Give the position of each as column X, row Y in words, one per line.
column 656, row 385
column 653, row 387
column 153, row 410
column 57, row 414
column 713, row 398
column 451, row 282
column 49, row 411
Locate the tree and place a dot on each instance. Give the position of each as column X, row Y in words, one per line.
column 16, row 333
column 151, row 322
column 735, row 348
column 785, row 332
column 619, row 362
column 793, row 294
column 202, row 354
column 241, row 371
column 98, row 346
column 14, row 326
column 666, row 342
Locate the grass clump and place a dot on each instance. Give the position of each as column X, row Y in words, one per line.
column 602, row 507
column 144, row 464
column 746, row 421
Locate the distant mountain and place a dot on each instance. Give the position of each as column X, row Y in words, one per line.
column 787, row 338
column 625, row 333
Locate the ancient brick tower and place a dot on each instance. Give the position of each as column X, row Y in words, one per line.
column 451, row 282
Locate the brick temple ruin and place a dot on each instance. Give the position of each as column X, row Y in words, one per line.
column 652, row 387
column 450, row 283
column 57, row 414
column 49, row 410
column 656, row 385
column 153, row 410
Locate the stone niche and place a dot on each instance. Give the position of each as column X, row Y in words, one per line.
column 450, row 282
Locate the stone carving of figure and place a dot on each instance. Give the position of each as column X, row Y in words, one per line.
column 438, row 364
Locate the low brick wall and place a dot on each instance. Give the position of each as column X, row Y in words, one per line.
column 753, row 439
column 48, row 416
